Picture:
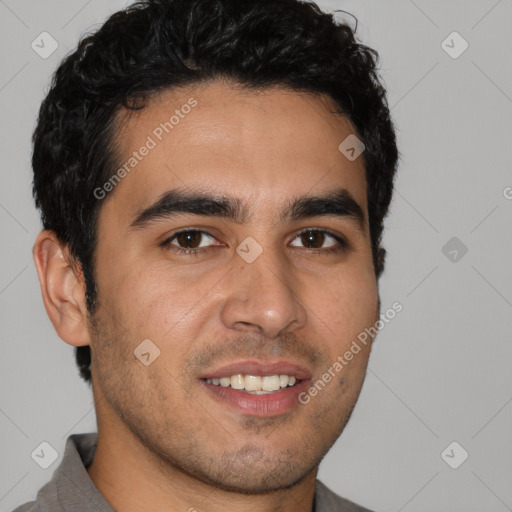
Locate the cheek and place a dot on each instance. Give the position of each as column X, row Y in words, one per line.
column 159, row 304
column 346, row 302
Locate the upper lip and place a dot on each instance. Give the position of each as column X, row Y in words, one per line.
column 255, row 367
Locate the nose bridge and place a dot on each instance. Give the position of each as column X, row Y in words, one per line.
column 262, row 292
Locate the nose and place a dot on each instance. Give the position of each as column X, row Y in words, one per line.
column 263, row 297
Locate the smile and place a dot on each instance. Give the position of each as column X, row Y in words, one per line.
column 255, row 384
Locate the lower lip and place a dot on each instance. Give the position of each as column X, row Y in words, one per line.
column 266, row 405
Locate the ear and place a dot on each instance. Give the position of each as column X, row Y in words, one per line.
column 62, row 288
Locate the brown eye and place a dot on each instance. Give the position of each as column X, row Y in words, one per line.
column 189, row 239
column 315, row 239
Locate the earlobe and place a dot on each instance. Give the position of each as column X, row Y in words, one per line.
column 62, row 288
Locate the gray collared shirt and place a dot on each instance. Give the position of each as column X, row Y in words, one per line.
column 72, row 490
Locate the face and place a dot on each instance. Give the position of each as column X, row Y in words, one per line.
column 235, row 251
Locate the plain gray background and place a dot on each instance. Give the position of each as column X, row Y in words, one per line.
column 439, row 372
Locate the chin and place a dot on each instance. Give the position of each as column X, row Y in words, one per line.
column 252, row 471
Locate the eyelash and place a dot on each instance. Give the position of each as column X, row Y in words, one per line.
column 341, row 247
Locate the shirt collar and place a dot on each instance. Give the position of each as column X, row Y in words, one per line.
column 72, row 490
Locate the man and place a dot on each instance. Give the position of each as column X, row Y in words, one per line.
column 213, row 176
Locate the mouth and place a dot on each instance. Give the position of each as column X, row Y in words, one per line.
column 255, row 384
column 258, row 389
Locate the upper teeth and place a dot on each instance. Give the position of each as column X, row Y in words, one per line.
column 255, row 383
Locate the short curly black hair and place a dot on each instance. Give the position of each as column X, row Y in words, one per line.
column 154, row 45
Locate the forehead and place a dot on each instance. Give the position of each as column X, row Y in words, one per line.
column 252, row 144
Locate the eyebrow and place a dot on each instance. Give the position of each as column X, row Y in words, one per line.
column 339, row 203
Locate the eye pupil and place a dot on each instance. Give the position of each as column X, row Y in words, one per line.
column 315, row 238
column 190, row 239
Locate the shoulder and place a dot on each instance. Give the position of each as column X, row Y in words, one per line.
column 328, row 501
column 47, row 500
column 59, row 494
column 31, row 506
